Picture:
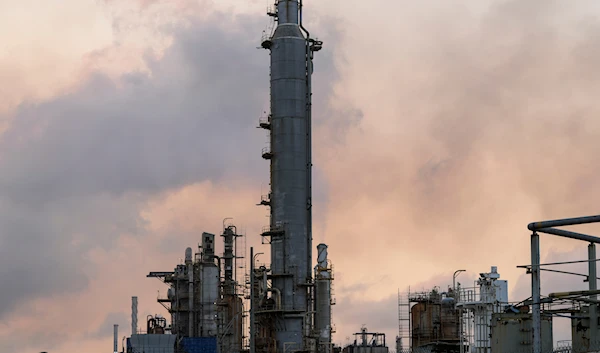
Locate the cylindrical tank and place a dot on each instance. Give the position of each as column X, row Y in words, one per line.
column 512, row 333
column 436, row 321
column 188, row 256
column 423, row 316
column 450, row 321
column 209, row 297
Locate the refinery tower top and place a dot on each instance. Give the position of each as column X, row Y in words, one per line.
column 287, row 11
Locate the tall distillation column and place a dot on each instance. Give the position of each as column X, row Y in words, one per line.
column 323, row 300
column 230, row 306
column 291, row 53
column 209, row 293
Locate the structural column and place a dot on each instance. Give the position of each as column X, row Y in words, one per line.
column 592, row 279
column 252, row 306
column 535, row 292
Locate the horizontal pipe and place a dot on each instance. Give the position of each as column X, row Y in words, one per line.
column 564, row 272
column 563, row 222
column 528, row 267
column 569, row 234
column 559, row 263
column 586, row 300
column 542, row 301
column 579, row 292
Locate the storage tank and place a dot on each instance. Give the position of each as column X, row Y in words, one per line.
column 449, row 321
column 434, row 321
column 423, row 315
column 512, row 333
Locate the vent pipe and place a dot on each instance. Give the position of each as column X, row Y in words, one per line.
column 116, row 343
column 134, row 311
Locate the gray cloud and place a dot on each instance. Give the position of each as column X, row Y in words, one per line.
column 77, row 170
column 192, row 120
column 106, row 328
column 490, row 123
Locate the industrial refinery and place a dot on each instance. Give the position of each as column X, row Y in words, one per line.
column 284, row 306
column 229, row 303
column 482, row 319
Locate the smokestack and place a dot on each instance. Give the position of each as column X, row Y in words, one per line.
column 134, row 310
column 116, row 348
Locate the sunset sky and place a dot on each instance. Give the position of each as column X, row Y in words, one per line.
column 441, row 128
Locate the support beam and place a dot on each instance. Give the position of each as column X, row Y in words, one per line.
column 535, row 292
column 593, row 285
column 580, row 293
column 569, row 234
column 563, row 222
column 252, row 306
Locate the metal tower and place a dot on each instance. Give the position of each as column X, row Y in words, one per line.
column 290, row 230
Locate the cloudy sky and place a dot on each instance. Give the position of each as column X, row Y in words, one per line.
column 441, row 129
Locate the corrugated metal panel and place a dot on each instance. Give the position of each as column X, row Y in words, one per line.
column 153, row 343
column 200, row 344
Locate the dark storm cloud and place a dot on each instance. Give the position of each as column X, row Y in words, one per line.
column 76, row 170
column 192, row 119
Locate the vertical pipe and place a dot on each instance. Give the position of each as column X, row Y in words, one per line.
column 116, row 335
column 134, row 311
column 235, row 262
column 593, row 283
column 535, row 292
column 322, row 321
column 190, row 270
column 461, row 333
column 191, row 300
column 308, row 153
column 252, row 307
